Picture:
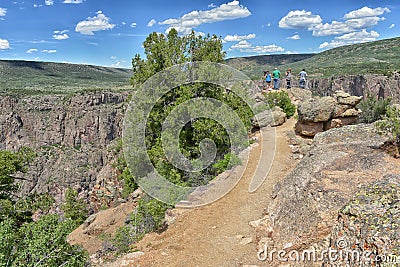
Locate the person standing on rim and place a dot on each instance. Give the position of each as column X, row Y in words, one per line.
column 303, row 78
column 276, row 75
column 289, row 78
column 267, row 78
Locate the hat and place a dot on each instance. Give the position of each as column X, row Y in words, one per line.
column 275, row 68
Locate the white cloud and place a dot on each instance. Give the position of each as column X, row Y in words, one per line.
column 3, row 11
column 229, row 11
column 49, row 51
column 351, row 25
column 237, row 38
column 363, row 23
column 366, row 12
column 241, row 45
column 333, row 28
column 4, row 44
column 266, row 49
column 151, row 23
column 351, row 38
column 294, row 37
column 299, row 19
column 93, row 24
column 32, row 50
column 212, row 5
column 73, row 1
column 60, row 35
column 49, row 2
column 356, row 20
column 133, row 24
column 245, row 46
column 392, row 26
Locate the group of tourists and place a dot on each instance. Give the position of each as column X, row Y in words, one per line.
column 273, row 79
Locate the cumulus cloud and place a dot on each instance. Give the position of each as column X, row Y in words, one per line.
column 299, row 19
column 366, row 12
column 294, row 37
column 49, row 2
column 237, row 38
column 73, row 1
column 262, row 49
column 391, row 26
column 133, row 24
column 241, row 45
column 151, row 23
column 32, row 50
column 244, row 46
column 60, row 35
column 356, row 20
column 92, row 24
column 351, row 38
column 4, row 44
column 333, row 28
column 3, row 11
column 229, row 11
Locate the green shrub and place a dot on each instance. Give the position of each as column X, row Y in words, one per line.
column 125, row 175
column 123, row 238
column 74, row 208
column 390, row 123
column 281, row 99
column 230, row 160
column 130, row 184
column 147, row 217
column 373, row 109
column 44, row 243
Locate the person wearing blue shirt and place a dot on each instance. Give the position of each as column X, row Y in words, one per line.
column 268, row 79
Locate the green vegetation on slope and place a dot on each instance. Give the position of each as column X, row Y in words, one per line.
column 24, row 242
column 379, row 57
column 32, row 78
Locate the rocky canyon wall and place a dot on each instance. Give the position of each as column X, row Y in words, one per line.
column 359, row 85
column 72, row 136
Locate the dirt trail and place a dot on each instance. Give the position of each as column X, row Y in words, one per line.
column 216, row 234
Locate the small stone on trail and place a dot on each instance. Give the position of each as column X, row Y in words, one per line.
column 246, row 240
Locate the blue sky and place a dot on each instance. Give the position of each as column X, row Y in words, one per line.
column 111, row 32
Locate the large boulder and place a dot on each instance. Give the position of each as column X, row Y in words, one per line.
column 305, row 204
column 298, row 95
column 317, row 109
column 324, row 113
column 270, row 117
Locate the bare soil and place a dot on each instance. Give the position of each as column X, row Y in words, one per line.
column 218, row 234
